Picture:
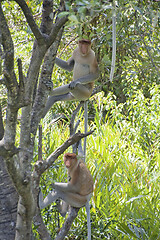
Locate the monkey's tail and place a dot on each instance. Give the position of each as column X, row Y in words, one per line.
column 88, row 220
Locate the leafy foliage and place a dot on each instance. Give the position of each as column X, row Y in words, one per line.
column 126, row 168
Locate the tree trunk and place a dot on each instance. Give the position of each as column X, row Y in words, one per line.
column 21, row 93
column 8, row 205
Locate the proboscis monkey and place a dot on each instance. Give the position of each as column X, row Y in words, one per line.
column 85, row 71
column 77, row 191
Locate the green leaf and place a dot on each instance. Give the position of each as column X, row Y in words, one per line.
column 63, row 14
column 124, row 228
column 73, row 18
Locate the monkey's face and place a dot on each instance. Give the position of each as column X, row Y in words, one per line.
column 84, row 48
column 70, row 160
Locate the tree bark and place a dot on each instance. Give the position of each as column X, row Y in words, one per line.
column 1, row 125
column 8, row 204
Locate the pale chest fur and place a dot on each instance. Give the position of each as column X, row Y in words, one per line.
column 82, row 66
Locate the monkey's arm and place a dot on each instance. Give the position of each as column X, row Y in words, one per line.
column 65, row 65
column 65, row 187
column 51, row 197
column 85, row 79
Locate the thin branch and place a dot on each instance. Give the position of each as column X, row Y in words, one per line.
column 98, row 89
column 40, row 167
column 40, row 226
column 21, row 80
column 73, row 212
column 63, row 50
column 113, row 41
column 56, row 27
column 8, row 48
column 71, row 125
column 47, row 17
column 73, row 128
column 35, row 29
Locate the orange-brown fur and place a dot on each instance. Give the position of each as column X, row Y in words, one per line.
column 80, row 176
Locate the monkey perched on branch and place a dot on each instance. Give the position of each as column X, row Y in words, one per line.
column 76, row 192
column 85, row 71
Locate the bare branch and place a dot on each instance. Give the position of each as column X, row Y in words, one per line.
column 71, row 125
column 59, row 24
column 47, row 17
column 35, row 29
column 73, row 212
column 40, row 167
column 41, row 228
column 45, row 84
column 65, row 47
column 21, row 80
column 8, row 47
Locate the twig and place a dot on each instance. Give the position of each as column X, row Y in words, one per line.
column 20, row 72
column 71, row 125
column 68, row 222
column 35, row 29
column 73, row 39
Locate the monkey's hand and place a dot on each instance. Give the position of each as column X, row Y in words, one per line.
column 73, row 84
